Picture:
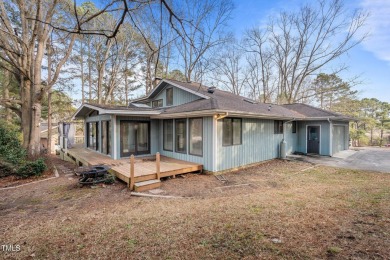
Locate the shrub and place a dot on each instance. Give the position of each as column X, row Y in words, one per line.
column 13, row 156
column 6, row 169
column 10, row 149
column 32, row 168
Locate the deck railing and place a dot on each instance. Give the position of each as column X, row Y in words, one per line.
column 79, row 139
column 132, row 173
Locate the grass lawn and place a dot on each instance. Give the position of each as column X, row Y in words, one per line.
column 279, row 209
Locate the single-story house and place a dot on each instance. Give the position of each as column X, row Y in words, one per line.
column 220, row 130
column 44, row 136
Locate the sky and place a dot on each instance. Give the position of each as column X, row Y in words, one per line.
column 370, row 60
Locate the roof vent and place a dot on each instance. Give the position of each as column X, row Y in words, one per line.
column 250, row 101
column 269, row 108
column 211, row 90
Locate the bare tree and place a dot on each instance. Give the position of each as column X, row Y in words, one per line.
column 25, row 27
column 261, row 80
column 229, row 72
column 204, row 32
column 295, row 46
column 22, row 44
column 304, row 42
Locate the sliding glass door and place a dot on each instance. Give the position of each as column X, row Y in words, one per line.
column 106, row 137
column 134, row 138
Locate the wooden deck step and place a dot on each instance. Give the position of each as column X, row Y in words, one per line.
column 147, row 185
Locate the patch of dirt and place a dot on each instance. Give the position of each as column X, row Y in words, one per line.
column 275, row 211
column 259, row 177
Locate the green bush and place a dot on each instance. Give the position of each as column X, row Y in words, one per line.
column 10, row 149
column 13, row 158
column 32, row 168
column 6, row 169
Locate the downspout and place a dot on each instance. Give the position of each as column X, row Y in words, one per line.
column 294, row 119
column 215, row 139
column 282, row 151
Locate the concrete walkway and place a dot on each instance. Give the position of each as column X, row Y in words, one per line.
column 367, row 158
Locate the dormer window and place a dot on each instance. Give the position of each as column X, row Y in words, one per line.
column 157, row 103
column 169, row 98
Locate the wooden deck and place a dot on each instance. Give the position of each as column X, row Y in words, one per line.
column 144, row 167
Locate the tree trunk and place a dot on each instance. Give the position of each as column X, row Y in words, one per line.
column 82, row 72
column 101, row 71
column 381, row 139
column 371, row 132
column 49, row 94
column 25, row 86
column 126, row 86
column 89, row 71
column 34, row 146
column 49, row 112
column 8, row 115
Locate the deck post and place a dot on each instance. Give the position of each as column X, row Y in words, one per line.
column 158, row 165
column 131, row 180
column 66, row 144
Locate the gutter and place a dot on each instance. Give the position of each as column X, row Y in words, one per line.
column 219, row 116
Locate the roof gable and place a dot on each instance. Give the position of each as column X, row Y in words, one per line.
column 163, row 84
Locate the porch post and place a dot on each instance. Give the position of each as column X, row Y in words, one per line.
column 131, row 180
column 114, row 139
column 158, row 165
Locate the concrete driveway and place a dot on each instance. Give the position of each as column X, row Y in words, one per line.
column 367, row 158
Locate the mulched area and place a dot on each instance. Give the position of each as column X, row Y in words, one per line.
column 11, row 181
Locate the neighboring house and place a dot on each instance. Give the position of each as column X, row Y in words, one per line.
column 44, row 136
column 220, row 130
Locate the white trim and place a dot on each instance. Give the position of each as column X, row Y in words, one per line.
column 173, row 84
column 213, row 112
column 81, row 107
column 103, row 111
column 319, row 148
column 127, row 112
column 185, row 114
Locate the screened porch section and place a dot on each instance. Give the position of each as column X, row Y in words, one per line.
column 99, row 136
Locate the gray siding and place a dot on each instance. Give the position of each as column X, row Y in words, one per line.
column 259, row 143
column 207, row 158
column 324, row 136
column 179, row 96
column 98, row 118
column 340, row 136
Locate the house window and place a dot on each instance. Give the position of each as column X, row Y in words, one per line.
column 231, row 131
column 181, row 135
column 168, row 135
column 93, row 132
column 169, row 97
column 294, row 127
column 196, row 136
column 157, row 103
column 278, row 127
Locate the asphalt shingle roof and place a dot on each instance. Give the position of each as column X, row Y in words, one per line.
column 223, row 101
